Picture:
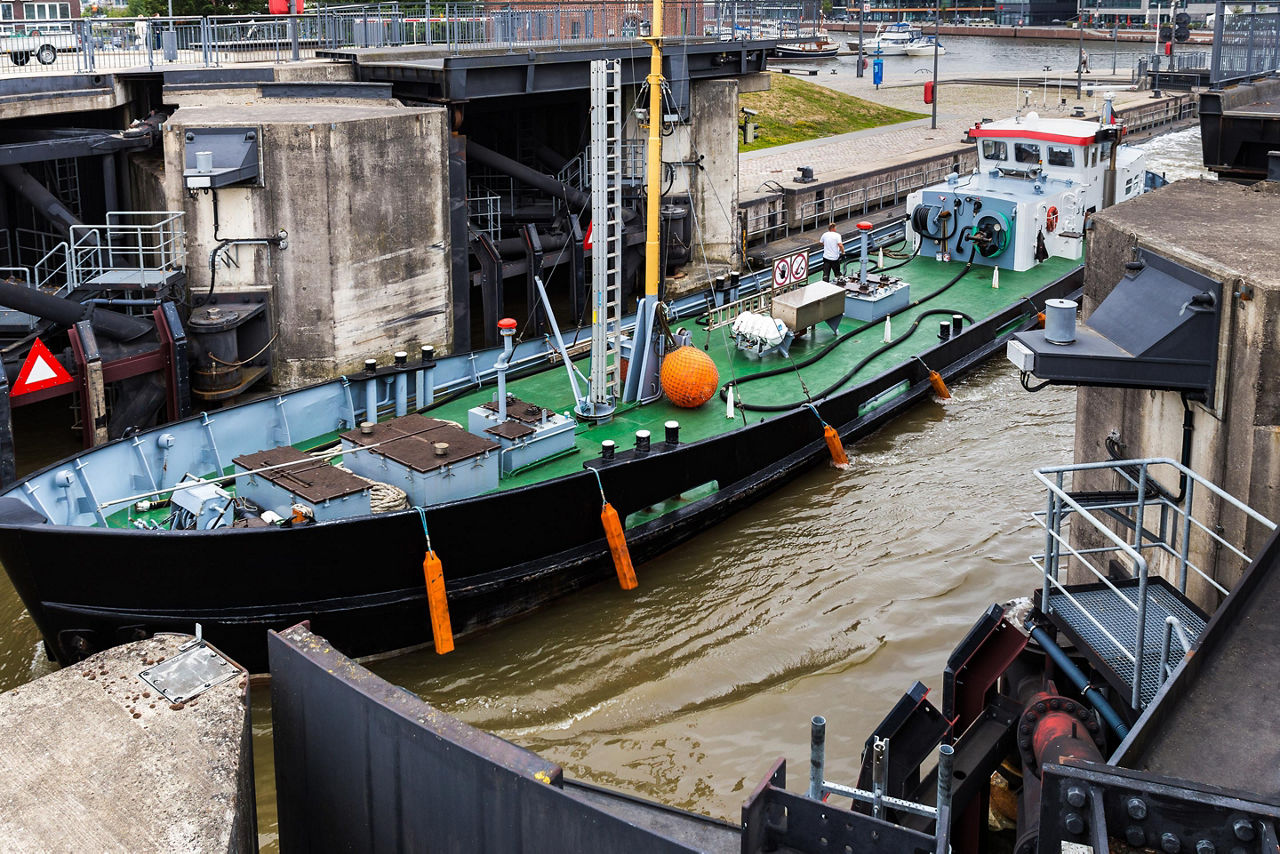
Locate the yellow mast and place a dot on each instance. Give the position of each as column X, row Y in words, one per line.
column 652, row 255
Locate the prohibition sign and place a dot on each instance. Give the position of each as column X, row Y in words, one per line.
column 781, row 272
column 799, row 267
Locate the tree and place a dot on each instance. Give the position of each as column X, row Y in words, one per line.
column 147, row 8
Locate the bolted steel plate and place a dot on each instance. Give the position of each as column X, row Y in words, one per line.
column 189, row 673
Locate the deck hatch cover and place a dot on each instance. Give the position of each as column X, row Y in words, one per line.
column 190, row 673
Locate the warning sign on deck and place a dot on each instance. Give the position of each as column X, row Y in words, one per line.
column 39, row 371
column 792, row 269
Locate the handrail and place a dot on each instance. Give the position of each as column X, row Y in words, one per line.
column 1062, row 504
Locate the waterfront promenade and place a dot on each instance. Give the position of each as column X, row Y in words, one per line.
column 960, row 106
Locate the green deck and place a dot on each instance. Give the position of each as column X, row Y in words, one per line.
column 972, row 295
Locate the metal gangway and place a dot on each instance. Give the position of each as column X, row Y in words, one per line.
column 1126, row 616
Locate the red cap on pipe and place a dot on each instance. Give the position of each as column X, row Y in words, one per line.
column 864, row 226
column 507, row 323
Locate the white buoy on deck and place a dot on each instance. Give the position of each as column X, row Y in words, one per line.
column 880, row 259
column 888, row 331
column 995, row 277
column 728, row 404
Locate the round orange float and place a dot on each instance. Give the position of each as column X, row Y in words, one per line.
column 689, row 377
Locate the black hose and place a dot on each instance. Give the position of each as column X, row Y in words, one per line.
column 796, row 366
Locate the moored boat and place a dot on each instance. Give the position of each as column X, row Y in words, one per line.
column 816, row 49
column 926, row 47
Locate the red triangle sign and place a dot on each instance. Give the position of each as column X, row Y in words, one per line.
column 40, row 370
column 586, row 241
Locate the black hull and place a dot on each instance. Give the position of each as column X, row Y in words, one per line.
column 360, row 582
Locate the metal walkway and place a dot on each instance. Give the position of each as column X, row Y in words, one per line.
column 1115, row 526
column 1214, row 721
column 1075, row 614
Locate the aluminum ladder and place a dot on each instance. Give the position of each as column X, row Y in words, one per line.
column 606, row 237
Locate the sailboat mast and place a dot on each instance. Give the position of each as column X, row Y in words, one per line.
column 652, row 255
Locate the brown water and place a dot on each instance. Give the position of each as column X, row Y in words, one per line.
column 830, row 597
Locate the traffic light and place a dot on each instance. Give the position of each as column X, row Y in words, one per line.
column 1181, row 29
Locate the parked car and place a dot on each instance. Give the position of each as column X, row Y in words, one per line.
column 43, row 44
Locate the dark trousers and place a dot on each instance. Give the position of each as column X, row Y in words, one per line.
column 830, row 266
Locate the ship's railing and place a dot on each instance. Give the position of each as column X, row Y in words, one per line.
column 1177, row 534
column 1245, row 45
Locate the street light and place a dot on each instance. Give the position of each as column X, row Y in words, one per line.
column 937, row 19
column 1080, row 55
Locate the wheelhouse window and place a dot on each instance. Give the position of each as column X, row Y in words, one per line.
column 1061, row 155
column 995, row 149
column 1026, row 152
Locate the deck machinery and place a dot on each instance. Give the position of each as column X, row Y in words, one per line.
column 1036, row 182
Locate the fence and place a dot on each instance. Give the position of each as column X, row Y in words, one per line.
column 88, row 45
column 1245, row 45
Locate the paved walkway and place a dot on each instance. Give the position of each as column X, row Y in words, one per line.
column 960, row 106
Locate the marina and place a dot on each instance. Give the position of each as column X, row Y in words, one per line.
column 700, row 694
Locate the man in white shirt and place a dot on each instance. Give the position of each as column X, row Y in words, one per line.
column 832, row 252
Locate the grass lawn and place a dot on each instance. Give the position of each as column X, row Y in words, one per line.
column 795, row 110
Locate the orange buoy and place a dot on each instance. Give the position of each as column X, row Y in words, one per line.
column 835, row 446
column 437, row 603
column 689, row 377
column 618, row 547
column 939, row 387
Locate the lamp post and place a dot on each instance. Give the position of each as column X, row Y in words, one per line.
column 862, row 13
column 937, row 17
column 1080, row 54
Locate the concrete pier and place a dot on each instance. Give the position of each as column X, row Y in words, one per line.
column 92, row 758
column 1226, row 232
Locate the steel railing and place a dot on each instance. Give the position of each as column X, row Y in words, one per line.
column 1173, row 538
column 138, row 242
column 88, row 45
column 1245, row 44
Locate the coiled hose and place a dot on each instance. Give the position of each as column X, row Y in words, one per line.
column 796, row 366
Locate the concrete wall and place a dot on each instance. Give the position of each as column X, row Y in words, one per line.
column 715, row 196
column 362, row 193
column 1226, row 232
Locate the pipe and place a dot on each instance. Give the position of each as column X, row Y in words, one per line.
column 500, row 162
column 817, row 755
column 942, row 835
column 46, row 204
column 402, row 383
column 1077, row 677
column 119, row 327
column 652, row 260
